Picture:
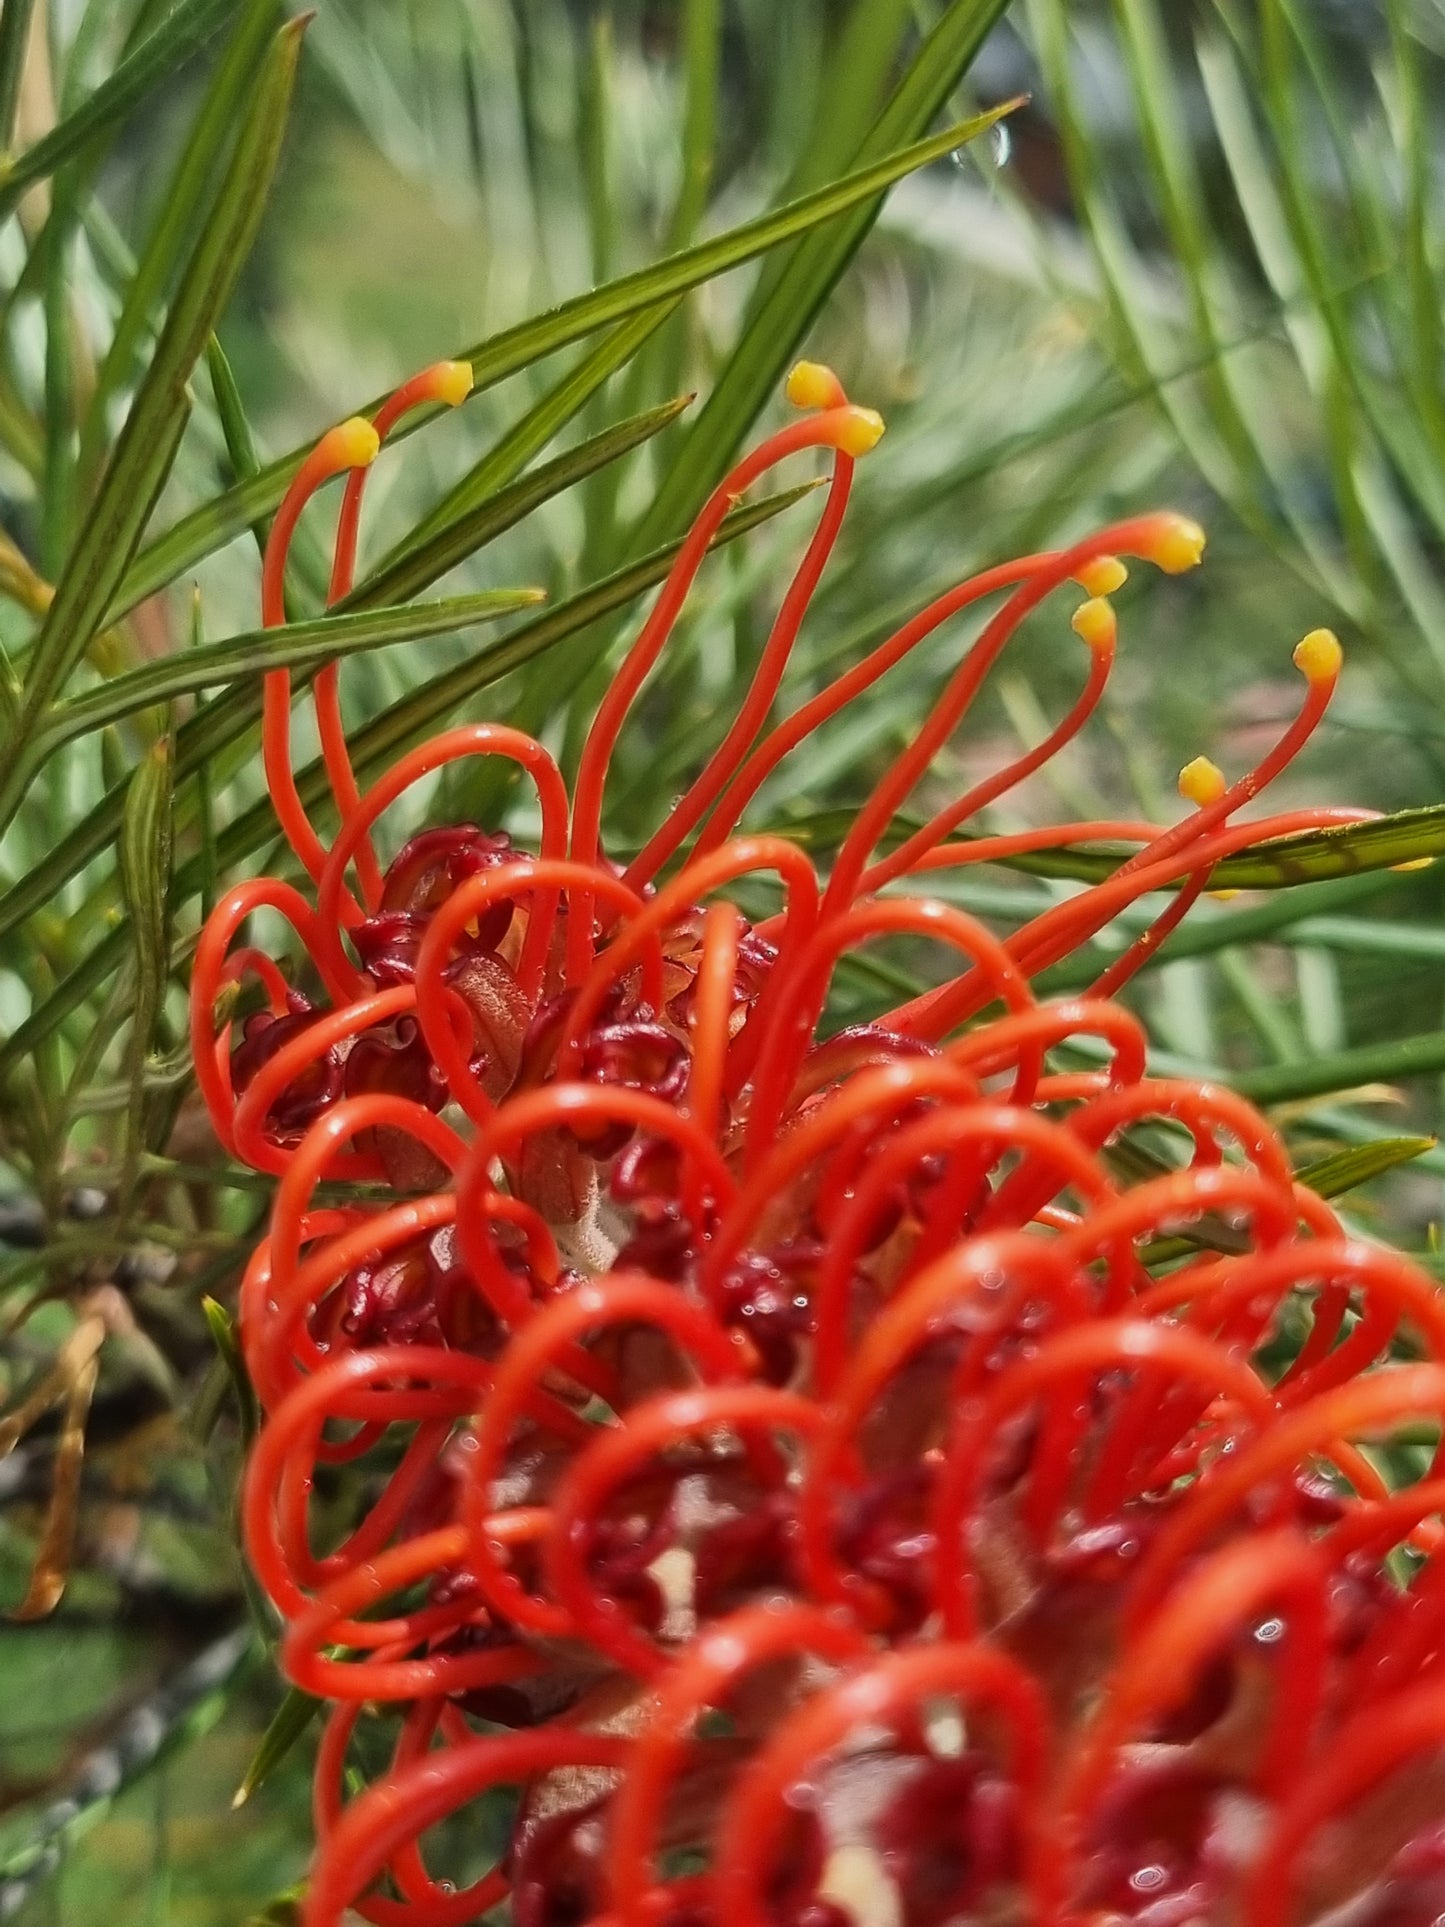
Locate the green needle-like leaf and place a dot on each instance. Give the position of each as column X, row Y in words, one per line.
column 1327, row 1177
column 297, row 646
column 145, row 871
column 291, row 1721
column 538, row 426
column 14, row 32
column 186, row 28
column 1345, row 1070
column 779, row 322
column 228, row 1347
column 221, row 109
column 148, row 441
column 209, row 528
column 1341, row 850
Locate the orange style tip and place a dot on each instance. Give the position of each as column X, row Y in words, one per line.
column 1415, row 863
column 859, row 429
column 1096, row 623
column 1102, row 576
column 351, row 444
column 450, row 381
column 1201, row 782
column 1177, row 545
column 812, row 384
column 1319, row 656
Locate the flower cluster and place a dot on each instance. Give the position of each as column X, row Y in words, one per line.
column 792, row 1461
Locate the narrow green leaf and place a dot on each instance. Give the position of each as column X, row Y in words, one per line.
column 210, row 527
column 57, row 500
column 14, row 33
column 221, row 108
column 296, row 646
column 1341, row 850
column 240, row 444
column 145, row 871
column 223, row 722
column 185, row 29
column 851, row 90
column 701, row 50
column 68, row 995
column 1345, row 1070
column 291, row 1722
column 504, row 462
column 778, row 324
column 148, row 441
column 1342, row 1171
column 224, row 1336
column 594, row 124
column 419, row 564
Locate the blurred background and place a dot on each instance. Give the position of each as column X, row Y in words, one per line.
column 1200, row 267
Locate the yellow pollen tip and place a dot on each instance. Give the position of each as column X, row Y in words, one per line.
column 351, row 444
column 812, row 384
column 1224, row 896
column 1103, row 575
column 1319, row 656
column 1415, row 863
column 1096, row 623
column 1177, row 546
column 859, row 429
column 1201, row 782
column 450, row 381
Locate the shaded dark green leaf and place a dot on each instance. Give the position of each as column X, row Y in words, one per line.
column 185, row 29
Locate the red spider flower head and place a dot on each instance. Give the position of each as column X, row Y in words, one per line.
column 794, row 1462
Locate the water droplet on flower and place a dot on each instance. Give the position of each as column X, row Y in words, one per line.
column 1147, row 1880
column 1001, row 142
column 1269, row 1632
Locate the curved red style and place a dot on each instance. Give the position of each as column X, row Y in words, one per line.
column 787, row 1458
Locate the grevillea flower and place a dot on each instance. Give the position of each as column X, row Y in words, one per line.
column 782, row 1458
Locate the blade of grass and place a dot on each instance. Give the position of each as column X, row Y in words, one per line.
column 1349, row 849
column 222, row 1328
column 1328, row 1177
